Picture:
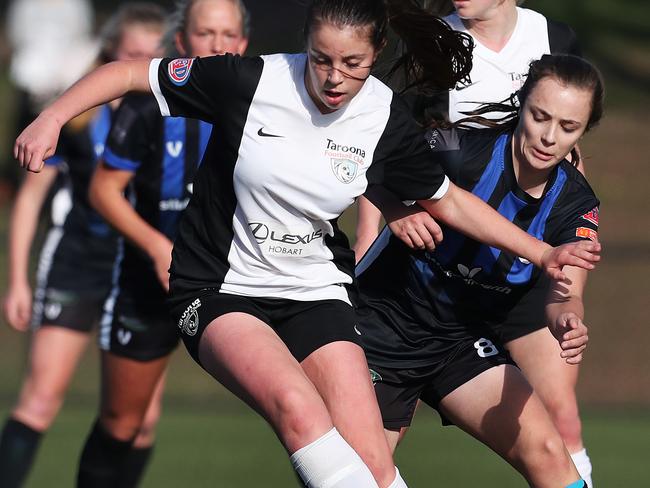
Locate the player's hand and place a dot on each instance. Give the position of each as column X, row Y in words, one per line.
column 161, row 254
column 17, row 307
column 37, row 142
column 415, row 227
column 572, row 335
column 583, row 254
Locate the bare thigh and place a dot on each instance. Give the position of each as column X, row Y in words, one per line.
column 127, row 389
column 247, row 357
column 500, row 408
column 53, row 358
column 340, row 373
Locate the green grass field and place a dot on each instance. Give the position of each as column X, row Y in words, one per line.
column 210, row 441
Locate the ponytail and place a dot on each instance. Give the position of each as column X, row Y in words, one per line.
column 435, row 57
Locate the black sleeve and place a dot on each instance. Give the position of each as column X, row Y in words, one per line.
column 578, row 219
column 403, row 162
column 562, row 39
column 205, row 88
column 133, row 133
column 463, row 153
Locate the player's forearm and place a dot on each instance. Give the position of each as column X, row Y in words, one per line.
column 468, row 214
column 24, row 219
column 120, row 214
column 367, row 230
column 23, row 224
column 106, row 83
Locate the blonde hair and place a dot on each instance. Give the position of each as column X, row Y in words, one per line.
column 133, row 13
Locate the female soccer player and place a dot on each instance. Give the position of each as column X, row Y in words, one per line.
column 141, row 188
column 428, row 319
column 506, row 39
column 77, row 259
column 260, row 272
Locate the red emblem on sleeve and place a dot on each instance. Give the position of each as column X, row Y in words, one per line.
column 592, row 216
column 179, row 70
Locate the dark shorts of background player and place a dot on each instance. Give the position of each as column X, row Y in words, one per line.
column 398, row 390
column 138, row 328
column 302, row 326
column 73, row 280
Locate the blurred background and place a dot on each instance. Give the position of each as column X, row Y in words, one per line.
column 207, row 438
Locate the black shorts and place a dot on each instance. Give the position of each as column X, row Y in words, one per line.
column 398, row 390
column 506, row 332
column 137, row 325
column 302, row 326
column 73, row 279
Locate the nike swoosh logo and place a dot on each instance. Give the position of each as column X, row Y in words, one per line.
column 261, row 133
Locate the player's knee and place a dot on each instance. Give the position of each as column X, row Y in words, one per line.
column 550, row 455
column 566, row 418
column 300, row 415
column 40, row 406
column 124, row 427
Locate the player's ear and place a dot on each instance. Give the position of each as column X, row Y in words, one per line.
column 241, row 47
column 179, row 43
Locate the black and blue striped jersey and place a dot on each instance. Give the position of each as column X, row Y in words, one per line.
column 77, row 153
column 84, row 239
column 410, row 299
column 163, row 154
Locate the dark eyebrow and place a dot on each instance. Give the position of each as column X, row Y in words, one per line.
column 346, row 58
column 546, row 114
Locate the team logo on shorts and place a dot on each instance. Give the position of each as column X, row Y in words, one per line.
column 344, row 169
column 52, row 310
column 189, row 321
column 374, row 376
column 179, row 70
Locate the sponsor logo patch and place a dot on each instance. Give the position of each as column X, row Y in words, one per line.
column 588, row 233
column 277, row 240
column 179, row 70
column 189, row 321
column 592, row 216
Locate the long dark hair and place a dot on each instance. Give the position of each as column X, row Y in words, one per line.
column 567, row 69
column 435, row 57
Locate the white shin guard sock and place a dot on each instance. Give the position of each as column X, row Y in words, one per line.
column 330, row 462
column 583, row 465
column 398, row 482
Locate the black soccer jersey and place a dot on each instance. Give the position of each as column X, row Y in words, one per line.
column 278, row 173
column 163, row 154
column 412, row 299
column 85, row 238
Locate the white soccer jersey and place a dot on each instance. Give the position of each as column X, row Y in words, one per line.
column 496, row 75
column 278, row 173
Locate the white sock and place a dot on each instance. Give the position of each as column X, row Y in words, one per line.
column 330, row 462
column 398, row 482
column 583, row 465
